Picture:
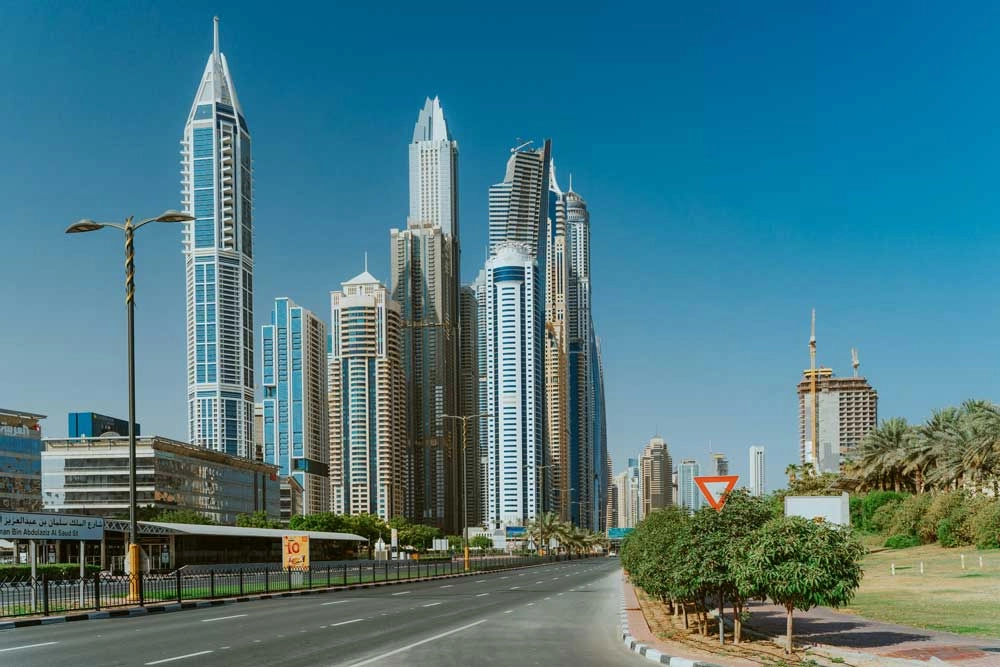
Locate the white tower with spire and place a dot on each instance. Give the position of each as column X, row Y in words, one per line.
column 217, row 189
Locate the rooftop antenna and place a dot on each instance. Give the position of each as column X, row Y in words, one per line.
column 215, row 44
column 571, row 181
column 366, row 261
column 526, row 143
column 854, row 360
column 815, row 396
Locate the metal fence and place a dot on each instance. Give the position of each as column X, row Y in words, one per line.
column 44, row 596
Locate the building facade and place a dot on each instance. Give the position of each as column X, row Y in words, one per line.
column 628, row 493
column 557, row 475
column 848, row 411
column 757, row 470
column 655, row 466
column 517, row 205
column 425, row 281
column 217, row 189
column 468, row 400
column 295, row 406
column 514, row 372
column 91, row 476
column 20, row 461
column 368, row 444
column 690, row 495
column 93, row 425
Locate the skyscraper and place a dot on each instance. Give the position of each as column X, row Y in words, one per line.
column 425, row 282
column 629, row 496
column 557, row 419
column 296, row 418
column 217, row 188
column 848, row 411
column 517, row 210
column 720, row 464
column 757, row 470
column 690, row 495
column 514, row 371
column 655, row 466
column 468, row 399
column 368, row 448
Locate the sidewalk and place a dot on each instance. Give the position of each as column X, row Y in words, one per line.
column 866, row 641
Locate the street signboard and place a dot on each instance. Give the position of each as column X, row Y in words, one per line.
column 715, row 488
column 514, row 532
column 39, row 526
column 295, row 552
column 618, row 533
column 831, row 509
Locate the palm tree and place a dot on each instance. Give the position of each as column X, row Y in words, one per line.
column 543, row 528
column 883, row 453
column 984, row 455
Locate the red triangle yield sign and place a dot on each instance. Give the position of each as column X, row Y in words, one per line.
column 715, row 488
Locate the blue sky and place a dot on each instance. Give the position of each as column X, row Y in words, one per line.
column 742, row 165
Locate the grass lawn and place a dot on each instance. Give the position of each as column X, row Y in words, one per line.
column 944, row 597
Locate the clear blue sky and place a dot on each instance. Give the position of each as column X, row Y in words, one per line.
column 742, row 165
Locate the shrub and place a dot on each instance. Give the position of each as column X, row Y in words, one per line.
column 52, row 571
column 880, row 520
column 906, row 518
column 947, row 533
column 902, row 541
column 949, row 505
column 858, row 512
column 875, row 500
column 985, row 525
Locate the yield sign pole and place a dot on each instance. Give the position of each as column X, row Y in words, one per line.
column 716, row 487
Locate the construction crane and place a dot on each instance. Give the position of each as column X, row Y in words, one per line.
column 854, row 360
column 524, row 145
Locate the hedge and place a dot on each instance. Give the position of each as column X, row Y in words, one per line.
column 52, row 571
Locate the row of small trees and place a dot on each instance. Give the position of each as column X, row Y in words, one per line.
column 745, row 552
column 573, row 539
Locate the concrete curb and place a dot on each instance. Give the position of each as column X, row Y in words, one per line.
column 126, row 612
column 650, row 653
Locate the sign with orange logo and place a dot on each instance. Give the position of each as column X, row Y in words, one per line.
column 295, row 552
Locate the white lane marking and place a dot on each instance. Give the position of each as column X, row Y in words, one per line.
column 521, row 575
column 326, row 604
column 481, row 595
column 353, row 620
column 221, row 618
column 514, row 588
column 223, row 648
column 505, row 577
column 539, row 582
column 18, row 648
column 530, row 604
column 179, row 657
column 480, row 581
column 432, row 604
column 548, row 598
column 415, row 644
column 446, row 586
column 509, row 611
column 403, row 593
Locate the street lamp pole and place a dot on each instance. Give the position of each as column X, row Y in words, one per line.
column 465, row 478
column 133, row 557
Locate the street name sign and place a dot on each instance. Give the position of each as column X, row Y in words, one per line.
column 39, row 526
column 715, row 488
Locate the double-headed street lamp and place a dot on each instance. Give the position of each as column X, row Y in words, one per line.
column 129, row 228
column 465, row 472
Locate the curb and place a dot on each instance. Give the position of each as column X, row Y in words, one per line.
column 650, row 653
column 127, row 612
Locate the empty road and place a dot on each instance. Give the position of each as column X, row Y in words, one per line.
column 559, row 614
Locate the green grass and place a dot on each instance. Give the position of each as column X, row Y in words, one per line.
column 945, row 597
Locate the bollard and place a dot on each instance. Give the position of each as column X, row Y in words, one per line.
column 892, row 569
column 241, row 581
column 266, row 583
column 211, row 584
column 289, row 571
column 310, row 577
column 921, row 567
column 963, row 561
column 177, row 578
column 97, row 591
column 45, row 595
column 345, row 574
column 980, row 562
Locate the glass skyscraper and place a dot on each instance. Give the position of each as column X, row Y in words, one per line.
column 217, row 186
column 295, row 421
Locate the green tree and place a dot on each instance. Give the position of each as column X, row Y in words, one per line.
column 182, row 516
column 800, row 564
column 481, row 542
column 258, row 519
column 327, row 522
column 368, row 526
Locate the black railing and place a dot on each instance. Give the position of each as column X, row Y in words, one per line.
column 43, row 596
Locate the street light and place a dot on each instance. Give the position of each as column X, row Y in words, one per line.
column 87, row 225
column 465, row 472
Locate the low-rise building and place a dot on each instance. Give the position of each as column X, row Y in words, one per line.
column 91, row 475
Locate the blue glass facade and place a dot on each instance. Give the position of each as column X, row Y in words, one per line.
column 20, row 462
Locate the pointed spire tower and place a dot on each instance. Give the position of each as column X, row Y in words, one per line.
column 217, row 188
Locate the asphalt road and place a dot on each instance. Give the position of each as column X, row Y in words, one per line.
column 559, row 614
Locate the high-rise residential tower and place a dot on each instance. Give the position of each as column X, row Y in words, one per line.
column 757, row 470
column 656, row 466
column 514, row 391
column 217, row 188
column 425, row 282
column 517, row 206
column 690, row 495
column 468, row 399
column 848, row 411
column 720, row 464
column 296, row 418
column 368, row 447
column 629, row 496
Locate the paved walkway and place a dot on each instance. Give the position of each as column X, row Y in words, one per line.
column 877, row 642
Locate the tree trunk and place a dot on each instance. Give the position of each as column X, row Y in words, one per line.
column 737, row 622
column 788, row 629
column 685, row 608
column 722, row 618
